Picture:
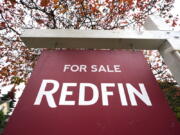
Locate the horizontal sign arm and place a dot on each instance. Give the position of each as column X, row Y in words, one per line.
column 96, row 39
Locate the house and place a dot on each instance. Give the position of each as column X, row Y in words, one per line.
column 4, row 106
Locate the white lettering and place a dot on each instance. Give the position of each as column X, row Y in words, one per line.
column 84, row 88
column 65, row 93
column 144, row 96
column 47, row 94
column 102, row 69
column 75, row 68
column 109, row 69
column 122, row 94
column 106, row 93
column 94, row 68
column 82, row 94
column 117, row 68
column 83, row 68
column 66, row 67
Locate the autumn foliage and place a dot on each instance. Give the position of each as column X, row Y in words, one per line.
column 91, row 14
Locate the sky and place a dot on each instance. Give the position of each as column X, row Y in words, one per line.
column 177, row 7
column 176, row 10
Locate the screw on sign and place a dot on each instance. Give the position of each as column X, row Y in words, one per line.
column 92, row 92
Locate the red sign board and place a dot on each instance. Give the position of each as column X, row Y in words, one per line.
column 92, row 93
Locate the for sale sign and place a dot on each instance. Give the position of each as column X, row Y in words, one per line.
column 92, row 93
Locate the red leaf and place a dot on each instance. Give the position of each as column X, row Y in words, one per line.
column 167, row 21
column 39, row 21
column 2, row 25
column 174, row 23
column 14, row 73
column 44, row 3
column 11, row 94
column 13, row 2
column 56, row 1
